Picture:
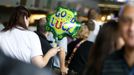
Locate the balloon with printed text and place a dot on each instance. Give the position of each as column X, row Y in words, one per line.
column 62, row 23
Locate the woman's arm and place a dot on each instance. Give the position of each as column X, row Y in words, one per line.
column 41, row 61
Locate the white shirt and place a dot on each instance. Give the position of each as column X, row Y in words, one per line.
column 20, row 44
column 93, row 34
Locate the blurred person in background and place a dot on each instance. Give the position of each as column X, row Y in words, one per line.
column 18, row 42
column 93, row 14
column 121, row 62
column 42, row 33
column 10, row 66
column 78, row 50
column 107, row 41
column 45, row 44
column 60, row 43
column 56, row 59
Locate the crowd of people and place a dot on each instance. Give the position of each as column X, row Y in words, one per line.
column 99, row 49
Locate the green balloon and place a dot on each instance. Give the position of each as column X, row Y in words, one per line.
column 62, row 23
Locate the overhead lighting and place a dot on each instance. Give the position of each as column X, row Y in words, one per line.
column 121, row 0
column 103, row 18
column 109, row 5
column 34, row 17
column 109, row 17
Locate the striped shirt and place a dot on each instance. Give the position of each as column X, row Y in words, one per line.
column 116, row 64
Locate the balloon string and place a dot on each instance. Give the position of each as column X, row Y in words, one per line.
column 56, row 43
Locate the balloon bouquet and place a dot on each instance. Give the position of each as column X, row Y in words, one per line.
column 62, row 23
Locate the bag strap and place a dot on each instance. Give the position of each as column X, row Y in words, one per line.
column 74, row 51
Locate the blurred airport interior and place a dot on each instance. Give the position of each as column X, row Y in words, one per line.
column 40, row 8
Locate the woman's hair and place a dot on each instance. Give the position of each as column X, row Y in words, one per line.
column 83, row 32
column 104, row 45
column 92, row 13
column 17, row 18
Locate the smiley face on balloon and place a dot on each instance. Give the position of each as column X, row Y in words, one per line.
column 62, row 23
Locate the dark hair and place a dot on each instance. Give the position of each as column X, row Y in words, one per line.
column 92, row 13
column 104, row 45
column 41, row 25
column 17, row 18
column 90, row 24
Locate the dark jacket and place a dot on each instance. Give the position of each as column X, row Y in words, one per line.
column 80, row 58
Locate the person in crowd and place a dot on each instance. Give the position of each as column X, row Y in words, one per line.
column 18, row 42
column 78, row 50
column 45, row 44
column 121, row 62
column 10, row 66
column 93, row 14
column 56, row 59
column 105, row 44
column 57, row 64
column 42, row 33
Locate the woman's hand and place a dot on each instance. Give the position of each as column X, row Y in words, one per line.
column 54, row 51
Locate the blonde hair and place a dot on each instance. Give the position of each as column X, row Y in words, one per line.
column 83, row 32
